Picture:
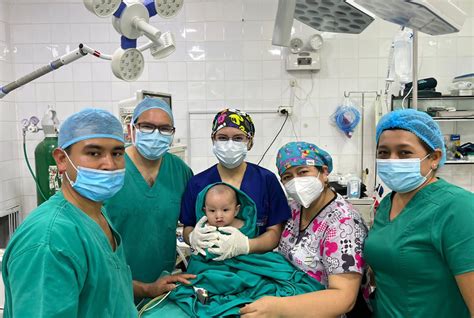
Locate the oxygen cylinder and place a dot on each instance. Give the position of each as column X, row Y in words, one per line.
column 46, row 169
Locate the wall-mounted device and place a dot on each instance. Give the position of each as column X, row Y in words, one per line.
column 304, row 57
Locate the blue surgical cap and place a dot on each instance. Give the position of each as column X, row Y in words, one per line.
column 152, row 103
column 87, row 124
column 416, row 122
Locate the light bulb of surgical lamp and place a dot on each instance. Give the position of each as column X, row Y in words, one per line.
column 127, row 64
column 102, row 8
column 168, row 8
column 164, row 47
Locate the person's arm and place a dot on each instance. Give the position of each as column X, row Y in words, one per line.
column 186, row 231
column 466, row 286
column 160, row 286
column 452, row 236
column 267, row 241
column 277, row 211
column 41, row 282
column 187, row 215
column 338, row 299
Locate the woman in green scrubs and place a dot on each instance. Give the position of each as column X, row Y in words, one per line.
column 421, row 246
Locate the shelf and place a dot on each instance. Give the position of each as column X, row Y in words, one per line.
column 434, row 97
column 459, row 162
column 453, row 118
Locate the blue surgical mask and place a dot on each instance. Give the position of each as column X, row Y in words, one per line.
column 97, row 185
column 401, row 175
column 152, row 146
column 230, row 153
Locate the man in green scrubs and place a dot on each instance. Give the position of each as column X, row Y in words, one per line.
column 145, row 211
column 65, row 259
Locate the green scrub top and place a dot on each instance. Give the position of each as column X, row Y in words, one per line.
column 146, row 217
column 59, row 263
column 416, row 256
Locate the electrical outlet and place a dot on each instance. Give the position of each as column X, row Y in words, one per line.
column 283, row 110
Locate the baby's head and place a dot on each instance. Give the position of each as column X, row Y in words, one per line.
column 221, row 205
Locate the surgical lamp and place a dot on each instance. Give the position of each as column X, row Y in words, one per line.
column 323, row 15
column 131, row 20
column 102, row 8
column 433, row 17
column 127, row 64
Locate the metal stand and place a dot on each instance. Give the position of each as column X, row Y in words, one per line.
column 377, row 94
column 415, row 70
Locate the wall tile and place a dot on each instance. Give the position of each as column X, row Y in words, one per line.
column 196, row 71
column 215, row 71
column 195, row 31
column 252, row 50
column 195, row 12
column 215, row 90
column 233, row 10
column 233, row 31
column 214, row 31
column 177, row 71
column 224, row 56
column 157, row 71
column 196, row 90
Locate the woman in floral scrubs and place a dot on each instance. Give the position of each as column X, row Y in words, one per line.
column 324, row 237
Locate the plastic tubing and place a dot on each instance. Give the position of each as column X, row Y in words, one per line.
column 347, row 118
column 31, row 170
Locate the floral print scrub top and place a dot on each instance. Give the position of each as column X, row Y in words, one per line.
column 331, row 244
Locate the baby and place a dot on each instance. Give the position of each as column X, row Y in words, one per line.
column 221, row 207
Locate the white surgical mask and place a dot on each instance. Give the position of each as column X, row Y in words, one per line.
column 304, row 190
column 230, row 153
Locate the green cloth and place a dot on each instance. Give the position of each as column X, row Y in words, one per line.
column 416, row 256
column 146, row 217
column 59, row 263
column 237, row 281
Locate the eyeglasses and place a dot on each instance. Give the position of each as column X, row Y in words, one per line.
column 236, row 138
column 146, row 128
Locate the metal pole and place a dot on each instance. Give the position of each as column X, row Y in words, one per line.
column 283, row 22
column 188, row 137
column 362, row 137
column 363, row 93
column 415, row 70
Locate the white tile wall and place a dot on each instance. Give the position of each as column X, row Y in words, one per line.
column 10, row 181
column 224, row 58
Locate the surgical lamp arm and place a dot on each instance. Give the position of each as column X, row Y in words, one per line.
column 146, row 46
column 148, row 30
column 52, row 66
column 91, row 51
column 70, row 57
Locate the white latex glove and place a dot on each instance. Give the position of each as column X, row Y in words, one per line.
column 232, row 244
column 203, row 237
